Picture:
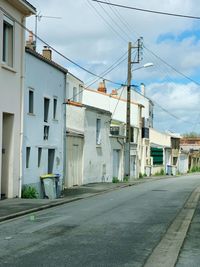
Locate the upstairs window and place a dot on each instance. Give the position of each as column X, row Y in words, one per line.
column 98, row 131
column 31, row 102
column 75, row 94
column 46, row 109
column 8, row 32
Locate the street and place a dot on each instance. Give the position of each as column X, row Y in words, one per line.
column 119, row 228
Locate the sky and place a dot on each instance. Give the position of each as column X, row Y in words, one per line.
column 96, row 36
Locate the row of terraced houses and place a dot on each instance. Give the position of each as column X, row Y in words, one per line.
column 50, row 123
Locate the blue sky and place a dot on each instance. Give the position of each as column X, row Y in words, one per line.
column 95, row 36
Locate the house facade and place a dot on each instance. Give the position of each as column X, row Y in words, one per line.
column 44, row 143
column 12, row 43
column 117, row 106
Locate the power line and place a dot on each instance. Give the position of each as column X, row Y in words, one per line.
column 107, row 22
column 148, row 10
column 56, row 51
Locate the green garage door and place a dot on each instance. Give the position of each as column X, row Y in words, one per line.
column 157, row 154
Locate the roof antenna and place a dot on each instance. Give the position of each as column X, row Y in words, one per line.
column 38, row 17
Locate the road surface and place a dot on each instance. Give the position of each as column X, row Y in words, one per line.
column 118, row 228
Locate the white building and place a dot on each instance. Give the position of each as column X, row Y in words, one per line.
column 44, row 118
column 117, row 106
column 12, row 81
column 93, row 154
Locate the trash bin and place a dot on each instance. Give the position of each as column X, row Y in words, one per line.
column 169, row 170
column 50, row 185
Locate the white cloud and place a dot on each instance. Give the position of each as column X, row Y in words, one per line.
column 82, row 35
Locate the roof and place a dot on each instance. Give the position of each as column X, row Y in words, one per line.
column 113, row 96
column 98, row 109
column 44, row 59
column 73, row 103
column 24, row 6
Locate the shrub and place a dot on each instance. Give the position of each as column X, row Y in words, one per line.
column 141, row 175
column 29, row 192
column 126, row 179
column 115, row 180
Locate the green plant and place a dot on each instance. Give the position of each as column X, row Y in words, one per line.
column 160, row 173
column 126, row 179
column 141, row 175
column 194, row 169
column 29, row 192
column 115, row 180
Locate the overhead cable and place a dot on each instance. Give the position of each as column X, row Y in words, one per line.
column 148, row 10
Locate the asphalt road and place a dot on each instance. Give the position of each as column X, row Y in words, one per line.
column 119, row 228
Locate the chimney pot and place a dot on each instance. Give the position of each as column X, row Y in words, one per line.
column 102, row 87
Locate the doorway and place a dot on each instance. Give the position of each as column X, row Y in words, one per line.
column 116, row 162
column 51, row 157
column 7, row 148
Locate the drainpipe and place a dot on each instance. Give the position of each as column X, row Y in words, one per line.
column 64, row 133
column 22, row 108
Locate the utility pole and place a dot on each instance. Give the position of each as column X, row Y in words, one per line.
column 128, row 107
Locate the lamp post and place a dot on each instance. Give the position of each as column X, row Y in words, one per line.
column 128, row 109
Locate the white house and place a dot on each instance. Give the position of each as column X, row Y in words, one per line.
column 161, row 156
column 11, row 90
column 117, row 106
column 44, row 118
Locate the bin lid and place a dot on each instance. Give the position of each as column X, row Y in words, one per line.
column 45, row 176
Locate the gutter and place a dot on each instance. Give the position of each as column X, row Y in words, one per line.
column 22, row 110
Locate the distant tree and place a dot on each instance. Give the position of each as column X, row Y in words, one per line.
column 191, row 135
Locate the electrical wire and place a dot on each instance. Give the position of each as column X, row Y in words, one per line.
column 56, row 51
column 148, row 10
column 107, row 22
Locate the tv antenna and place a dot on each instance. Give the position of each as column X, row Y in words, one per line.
column 38, row 18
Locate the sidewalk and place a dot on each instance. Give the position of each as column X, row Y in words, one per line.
column 12, row 208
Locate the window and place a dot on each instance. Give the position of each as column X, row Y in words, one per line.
column 132, row 134
column 46, row 132
column 7, row 55
column 46, row 109
column 39, row 156
column 98, row 131
column 31, row 101
column 55, row 101
column 157, row 154
column 28, row 152
column 115, row 130
column 51, row 156
column 75, row 94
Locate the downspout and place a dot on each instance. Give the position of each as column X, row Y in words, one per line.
column 22, row 108
column 64, row 133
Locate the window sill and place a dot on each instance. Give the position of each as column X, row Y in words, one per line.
column 98, row 145
column 55, row 120
column 31, row 114
column 6, row 67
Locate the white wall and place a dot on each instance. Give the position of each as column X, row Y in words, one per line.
column 161, row 139
column 49, row 82
column 74, row 82
column 10, row 97
column 113, row 104
column 97, row 158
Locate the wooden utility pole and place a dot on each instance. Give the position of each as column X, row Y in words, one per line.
column 128, row 109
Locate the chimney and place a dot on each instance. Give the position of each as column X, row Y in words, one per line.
column 114, row 92
column 47, row 53
column 142, row 88
column 102, row 87
column 31, row 43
